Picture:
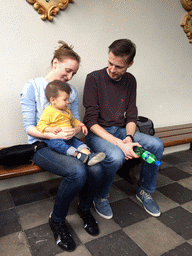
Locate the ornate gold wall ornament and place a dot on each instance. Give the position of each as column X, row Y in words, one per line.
column 187, row 20
column 187, row 25
column 49, row 8
column 187, row 4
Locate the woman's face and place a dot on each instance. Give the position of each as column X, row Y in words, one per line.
column 65, row 70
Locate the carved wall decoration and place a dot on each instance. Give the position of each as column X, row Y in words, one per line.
column 187, row 4
column 187, row 20
column 49, row 8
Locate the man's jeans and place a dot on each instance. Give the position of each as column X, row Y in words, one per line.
column 115, row 158
column 78, row 178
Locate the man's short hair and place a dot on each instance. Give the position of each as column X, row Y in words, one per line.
column 123, row 47
column 53, row 88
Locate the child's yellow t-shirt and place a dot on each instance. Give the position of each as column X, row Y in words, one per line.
column 54, row 118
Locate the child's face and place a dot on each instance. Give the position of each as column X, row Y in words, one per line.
column 61, row 102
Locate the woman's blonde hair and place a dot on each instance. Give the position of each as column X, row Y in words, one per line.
column 64, row 51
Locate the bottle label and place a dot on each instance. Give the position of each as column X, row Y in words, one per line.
column 145, row 155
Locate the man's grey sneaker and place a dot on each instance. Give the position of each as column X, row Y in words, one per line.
column 103, row 208
column 149, row 204
column 62, row 235
column 91, row 159
column 95, row 158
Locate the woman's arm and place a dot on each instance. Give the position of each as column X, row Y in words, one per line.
column 67, row 134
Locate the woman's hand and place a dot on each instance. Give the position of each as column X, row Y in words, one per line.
column 66, row 134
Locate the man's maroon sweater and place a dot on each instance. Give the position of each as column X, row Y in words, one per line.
column 108, row 102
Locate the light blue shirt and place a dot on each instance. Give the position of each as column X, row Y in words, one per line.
column 33, row 103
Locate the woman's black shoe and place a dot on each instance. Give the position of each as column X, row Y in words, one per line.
column 62, row 235
column 90, row 224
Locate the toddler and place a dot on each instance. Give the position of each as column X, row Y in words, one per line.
column 56, row 117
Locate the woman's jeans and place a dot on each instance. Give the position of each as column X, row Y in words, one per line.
column 115, row 158
column 78, row 178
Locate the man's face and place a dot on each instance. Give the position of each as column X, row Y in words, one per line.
column 117, row 66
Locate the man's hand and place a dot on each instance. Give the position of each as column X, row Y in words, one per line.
column 127, row 148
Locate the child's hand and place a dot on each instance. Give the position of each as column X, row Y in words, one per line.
column 84, row 129
column 56, row 130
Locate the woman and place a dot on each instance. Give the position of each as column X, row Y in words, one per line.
column 77, row 177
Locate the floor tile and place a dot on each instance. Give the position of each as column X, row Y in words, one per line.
column 186, row 183
column 182, row 250
column 163, row 180
column 105, row 227
column 174, row 173
column 188, row 206
column 81, row 250
column 126, row 187
column 177, row 193
column 190, row 241
column 116, row 194
column 28, row 194
column 164, row 165
column 186, row 167
column 126, row 212
column 6, row 201
column 172, row 159
column 117, row 243
column 185, row 155
column 14, row 245
column 42, row 242
column 9, row 223
column 179, row 220
column 153, row 237
column 35, row 214
column 51, row 186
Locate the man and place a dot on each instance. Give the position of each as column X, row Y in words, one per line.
column 111, row 114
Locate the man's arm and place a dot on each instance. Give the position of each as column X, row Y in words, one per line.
column 127, row 148
column 130, row 130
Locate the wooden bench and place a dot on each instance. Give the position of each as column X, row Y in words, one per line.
column 171, row 136
column 7, row 172
column 175, row 135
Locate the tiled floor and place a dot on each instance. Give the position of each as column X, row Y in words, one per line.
column 24, row 213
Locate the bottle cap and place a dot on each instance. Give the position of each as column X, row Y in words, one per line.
column 158, row 163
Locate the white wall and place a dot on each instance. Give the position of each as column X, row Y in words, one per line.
column 162, row 65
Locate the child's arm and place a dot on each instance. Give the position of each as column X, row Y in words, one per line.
column 54, row 130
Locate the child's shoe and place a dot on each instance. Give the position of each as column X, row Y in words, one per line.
column 91, row 159
column 95, row 158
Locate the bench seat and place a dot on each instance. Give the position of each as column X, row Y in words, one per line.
column 170, row 135
column 175, row 135
column 15, row 171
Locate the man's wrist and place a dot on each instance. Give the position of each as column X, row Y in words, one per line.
column 129, row 135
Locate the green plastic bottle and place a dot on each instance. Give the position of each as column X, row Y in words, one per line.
column 146, row 155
